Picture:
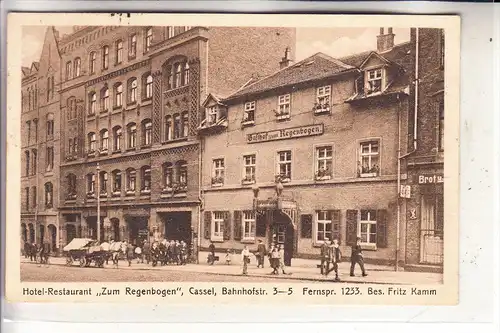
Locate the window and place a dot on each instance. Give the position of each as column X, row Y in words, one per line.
column 105, row 99
column 149, row 39
column 185, row 74
column 285, row 165
column 147, row 133
column 132, row 90
column 249, row 169
column 283, row 107
column 48, row 195
column 170, row 32
column 177, row 75
column 29, row 99
column 117, row 138
column 103, row 183
column 68, row 71
column 168, row 172
column 374, row 81
column 119, row 52
column 146, row 178
column 92, row 103
column 90, row 183
column 177, row 126
column 71, row 185
column 91, row 142
column 367, row 229
column 168, row 128
column 92, row 62
column 71, row 108
column 49, row 159
column 50, row 125
column 323, row 99
column 117, row 182
column 132, row 135
column 50, row 92
column 77, row 65
column 132, row 51
column 218, row 172
column 105, row 57
column 104, row 140
column 249, row 113
column 182, row 174
column 34, row 155
column 131, row 176
column 27, row 162
column 35, row 122
column 28, row 126
column 327, row 225
column 118, row 95
column 441, row 126
column 27, row 198
column 185, row 124
column 218, row 226
column 149, row 86
column 324, row 162
column 212, row 113
column 248, row 225
column 369, row 159
column 75, row 145
column 34, row 196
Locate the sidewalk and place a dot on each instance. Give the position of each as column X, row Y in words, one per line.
column 302, row 270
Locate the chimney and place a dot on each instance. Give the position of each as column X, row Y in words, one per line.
column 385, row 41
column 286, row 61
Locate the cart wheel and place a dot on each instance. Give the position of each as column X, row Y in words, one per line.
column 82, row 262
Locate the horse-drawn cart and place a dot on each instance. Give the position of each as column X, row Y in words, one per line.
column 85, row 251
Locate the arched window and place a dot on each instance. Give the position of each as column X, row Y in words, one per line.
column 132, row 135
column 71, row 179
column 105, row 57
column 91, row 142
column 132, row 50
column 182, row 175
column 149, row 39
column 168, row 174
column 146, row 178
column 132, row 90
column 131, row 179
column 147, row 86
column 69, row 75
column 185, row 76
column 117, row 138
column 147, row 134
column 50, row 125
column 170, row 32
column 119, row 52
column 103, row 183
column 92, row 103
column 104, row 99
column 90, row 184
column 92, row 62
column 177, row 126
column 177, row 74
column 71, row 108
column 104, row 140
column 118, row 95
column 185, row 124
column 77, row 67
column 34, row 162
column 48, row 195
column 117, row 182
column 27, row 162
column 168, row 128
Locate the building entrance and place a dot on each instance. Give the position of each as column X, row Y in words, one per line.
column 282, row 233
column 178, row 226
column 137, row 229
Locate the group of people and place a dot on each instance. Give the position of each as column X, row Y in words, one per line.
column 169, row 252
column 35, row 251
column 276, row 257
column 331, row 256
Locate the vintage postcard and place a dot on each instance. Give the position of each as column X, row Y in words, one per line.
column 235, row 159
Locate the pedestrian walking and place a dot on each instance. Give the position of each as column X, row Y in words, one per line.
column 336, row 257
column 146, row 252
column 229, row 257
column 275, row 260
column 261, row 253
column 33, row 252
column 130, row 253
column 138, row 254
column 281, row 252
column 105, row 248
column 211, row 255
column 245, row 257
column 324, row 257
column 357, row 258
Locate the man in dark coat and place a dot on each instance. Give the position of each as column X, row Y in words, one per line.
column 357, row 257
column 261, row 253
column 324, row 256
column 211, row 255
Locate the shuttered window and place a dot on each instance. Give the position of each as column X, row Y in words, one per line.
column 237, row 225
column 327, row 225
column 248, row 225
column 370, row 225
column 306, row 226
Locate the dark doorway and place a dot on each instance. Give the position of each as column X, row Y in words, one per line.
column 178, row 226
column 24, row 232
column 32, row 233
column 92, row 228
column 115, row 229
column 282, row 233
column 53, row 237
column 42, row 233
column 137, row 229
column 70, row 232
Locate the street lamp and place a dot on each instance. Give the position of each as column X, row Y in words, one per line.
column 98, row 190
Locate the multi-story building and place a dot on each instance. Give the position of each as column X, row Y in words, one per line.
column 424, row 160
column 130, row 105
column 309, row 153
column 40, row 145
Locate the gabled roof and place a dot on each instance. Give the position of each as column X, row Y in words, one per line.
column 25, row 70
column 376, row 55
column 400, row 54
column 35, row 66
column 213, row 97
column 317, row 66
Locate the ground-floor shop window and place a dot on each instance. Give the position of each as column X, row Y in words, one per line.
column 367, row 229
column 327, row 225
column 248, row 225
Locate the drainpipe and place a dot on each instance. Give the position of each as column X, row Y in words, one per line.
column 398, row 200
column 200, row 196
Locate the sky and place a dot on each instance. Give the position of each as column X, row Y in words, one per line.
column 336, row 42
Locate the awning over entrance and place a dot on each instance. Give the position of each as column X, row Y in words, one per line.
column 285, row 206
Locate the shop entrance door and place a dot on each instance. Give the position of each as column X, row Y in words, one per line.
column 431, row 231
column 282, row 233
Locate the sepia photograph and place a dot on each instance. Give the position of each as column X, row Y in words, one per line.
column 224, row 153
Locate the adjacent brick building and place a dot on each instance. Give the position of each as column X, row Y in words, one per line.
column 309, row 153
column 130, row 101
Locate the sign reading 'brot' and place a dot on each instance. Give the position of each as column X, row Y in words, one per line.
column 286, row 133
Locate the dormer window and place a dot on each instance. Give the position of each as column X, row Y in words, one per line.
column 212, row 114
column 374, row 80
column 323, row 96
column 215, row 116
